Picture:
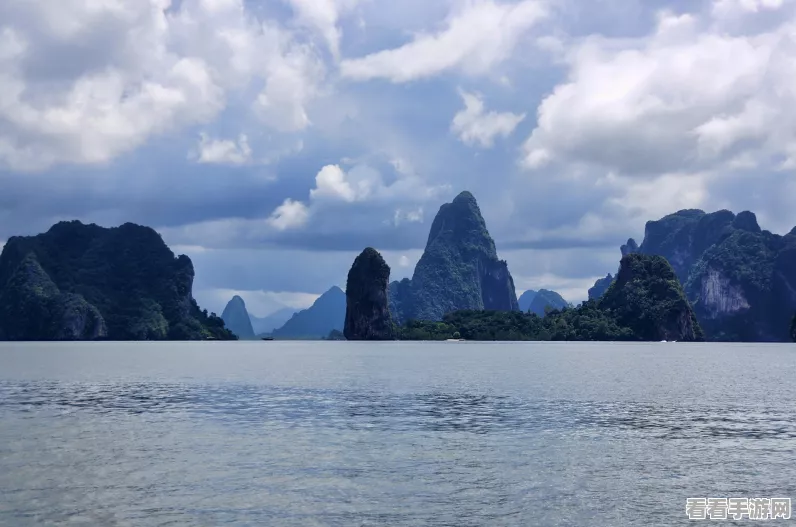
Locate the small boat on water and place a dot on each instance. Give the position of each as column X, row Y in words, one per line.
column 266, row 338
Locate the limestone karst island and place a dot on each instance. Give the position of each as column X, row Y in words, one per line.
column 695, row 276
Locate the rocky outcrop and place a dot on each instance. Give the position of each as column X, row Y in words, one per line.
column 78, row 282
column 718, row 296
column 682, row 237
column 629, row 248
column 601, row 286
column 647, row 298
column 236, row 318
column 459, row 268
column 367, row 314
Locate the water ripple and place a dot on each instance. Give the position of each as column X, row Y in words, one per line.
column 244, row 404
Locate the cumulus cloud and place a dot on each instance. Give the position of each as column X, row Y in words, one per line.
column 288, row 215
column 680, row 99
column 83, row 82
column 408, row 216
column 322, row 16
column 224, row 151
column 476, row 127
column 475, row 38
column 331, row 182
column 360, row 184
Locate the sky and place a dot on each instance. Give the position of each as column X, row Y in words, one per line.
column 272, row 140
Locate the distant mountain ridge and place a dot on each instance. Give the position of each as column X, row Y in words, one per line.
column 539, row 301
column 459, row 269
column 545, row 299
column 327, row 313
column 525, row 299
column 265, row 325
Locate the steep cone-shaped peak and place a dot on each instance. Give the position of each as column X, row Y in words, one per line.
column 458, row 270
column 460, row 222
column 237, row 319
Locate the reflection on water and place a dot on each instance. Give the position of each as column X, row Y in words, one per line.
column 467, row 437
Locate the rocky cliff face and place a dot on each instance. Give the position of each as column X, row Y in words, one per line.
column 459, row 268
column 367, row 314
column 740, row 279
column 682, row 237
column 236, row 318
column 647, row 298
column 81, row 281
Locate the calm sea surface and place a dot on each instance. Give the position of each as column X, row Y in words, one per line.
column 390, row 434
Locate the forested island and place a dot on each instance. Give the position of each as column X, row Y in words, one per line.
column 85, row 282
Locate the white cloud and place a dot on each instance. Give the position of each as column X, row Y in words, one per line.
column 332, row 182
column 323, row 16
column 83, row 82
column 360, row 184
column 224, row 151
column 403, row 261
column 483, row 33
column 682, row 99
column 363, row 183
column 408, row 216
column 290, row 214
column 476, row 127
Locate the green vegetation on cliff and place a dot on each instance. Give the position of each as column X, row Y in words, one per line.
column 459, row 268
column 79, row 281
column 647, row 297
column 740, row 279
column 645, row 303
